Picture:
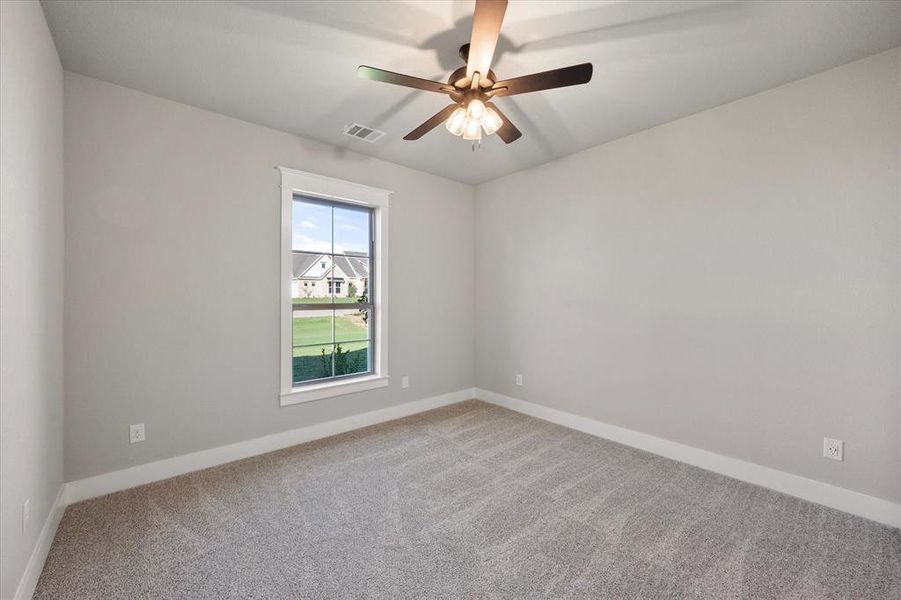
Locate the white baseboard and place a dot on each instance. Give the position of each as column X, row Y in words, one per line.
column 115, row 481
column 42, row 547
column 856, row 503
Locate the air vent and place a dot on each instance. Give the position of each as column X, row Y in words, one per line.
column 362, row 132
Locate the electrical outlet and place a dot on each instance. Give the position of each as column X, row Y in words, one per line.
column 519, row 379
column 26, row 512
column 405, row 381
column 834, row 449
column 136, row 433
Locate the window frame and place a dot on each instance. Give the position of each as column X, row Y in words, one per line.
column 300, row 183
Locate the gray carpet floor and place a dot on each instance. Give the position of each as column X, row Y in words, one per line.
column 467, row 501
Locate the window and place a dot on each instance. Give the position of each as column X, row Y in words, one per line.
column 333, row 334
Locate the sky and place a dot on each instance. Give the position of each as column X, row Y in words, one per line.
column 313, row 225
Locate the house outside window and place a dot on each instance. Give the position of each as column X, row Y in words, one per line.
column 334, row 323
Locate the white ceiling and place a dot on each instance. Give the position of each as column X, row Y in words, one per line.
column 291, row 65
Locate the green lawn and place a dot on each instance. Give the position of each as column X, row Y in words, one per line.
column 311, row 363
column 319, row 367
column 318, row 330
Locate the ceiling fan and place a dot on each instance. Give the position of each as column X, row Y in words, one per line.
column 472, row 86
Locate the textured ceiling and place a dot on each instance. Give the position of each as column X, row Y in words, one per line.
column 291, row 65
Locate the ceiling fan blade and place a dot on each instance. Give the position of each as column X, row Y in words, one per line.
column 405, row 80
column 486, row 28
column 432, row 123
column 508, row 131
column 547, row 80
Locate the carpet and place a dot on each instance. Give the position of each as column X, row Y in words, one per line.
column 466, row 501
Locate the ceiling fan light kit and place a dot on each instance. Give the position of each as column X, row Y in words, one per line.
column 457, row 121
column 471, row 87
column 491, row 121
column 473, row 129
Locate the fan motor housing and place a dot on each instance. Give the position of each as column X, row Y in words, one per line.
column 460, row 76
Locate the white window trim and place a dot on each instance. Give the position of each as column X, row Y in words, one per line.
column 328, row 188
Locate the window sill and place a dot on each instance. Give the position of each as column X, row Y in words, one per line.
column 332, row 388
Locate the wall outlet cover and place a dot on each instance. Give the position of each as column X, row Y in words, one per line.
column 405, row 381
column 834, row 449
column 519, row 379
column 136, row 433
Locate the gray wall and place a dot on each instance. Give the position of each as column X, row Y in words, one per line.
column 172, row 297
column 729, row 280
column 31, row 282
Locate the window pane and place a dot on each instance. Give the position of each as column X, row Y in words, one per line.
column 351, row 357
column 351, row 325
column 354, row 273
column 351, row 231
column 309, row 282
column 313, row 362
column 312, row 327
column 311, row 226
